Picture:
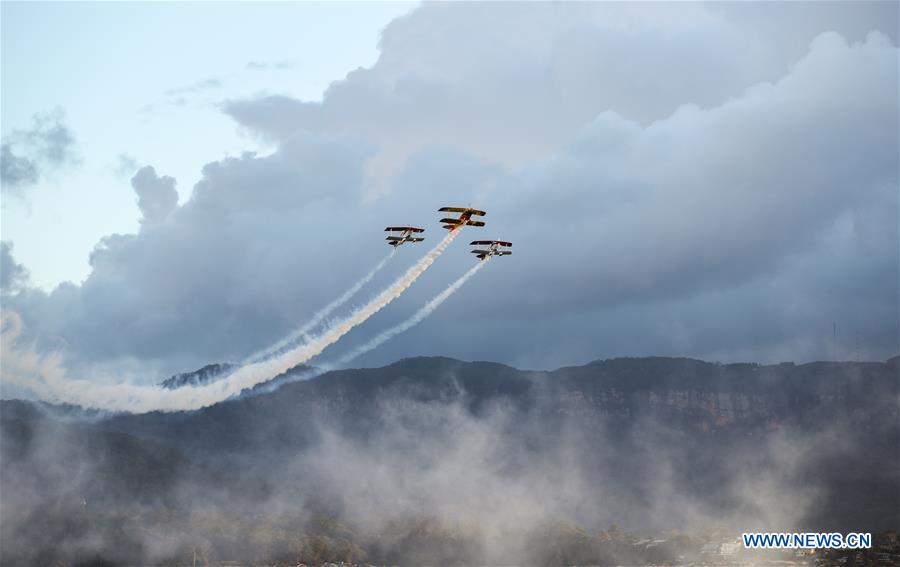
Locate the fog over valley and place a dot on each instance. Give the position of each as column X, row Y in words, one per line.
column 434, row 460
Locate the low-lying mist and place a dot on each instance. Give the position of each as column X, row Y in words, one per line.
column 430, row 466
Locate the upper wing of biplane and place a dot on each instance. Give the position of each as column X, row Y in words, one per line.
column 489, row 242
column 471, row 211
column 403, row 228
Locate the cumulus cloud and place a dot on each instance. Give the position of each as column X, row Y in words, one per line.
column 727, row 202
column 157, row 197
column 246, row 247
column 512, row 85
column 13, row 275
column 706, row 198
column 28, row 154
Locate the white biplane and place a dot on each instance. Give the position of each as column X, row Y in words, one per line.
column 405, row 235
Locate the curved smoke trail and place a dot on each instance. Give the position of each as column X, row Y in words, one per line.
column 301, row 333
column 387, row 334
column 417, row 317
column 46, row 378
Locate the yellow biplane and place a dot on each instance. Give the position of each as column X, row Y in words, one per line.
column 464, row 219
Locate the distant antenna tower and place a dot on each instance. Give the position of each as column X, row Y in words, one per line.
column 857, row 346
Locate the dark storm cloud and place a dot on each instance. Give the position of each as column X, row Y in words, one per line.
column 663, row 197
column 27, row 154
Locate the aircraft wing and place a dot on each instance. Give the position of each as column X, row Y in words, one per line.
column 403, row 228
column 502, row 243
column 462, row 210
column 451, row 221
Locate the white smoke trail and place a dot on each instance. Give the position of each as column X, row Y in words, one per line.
column 301, row 333
column 417, row 317
column 46, row 378
column 387, row 334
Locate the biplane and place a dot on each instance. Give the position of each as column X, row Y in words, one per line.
column 493, row 248
column 406, row 235
column 464, row 219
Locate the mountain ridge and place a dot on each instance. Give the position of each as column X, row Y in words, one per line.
column 616, row 371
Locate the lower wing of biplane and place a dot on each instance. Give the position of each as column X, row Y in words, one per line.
column 453, row 223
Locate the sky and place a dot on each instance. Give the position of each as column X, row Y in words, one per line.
column 141, row 83
column 187, row 183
